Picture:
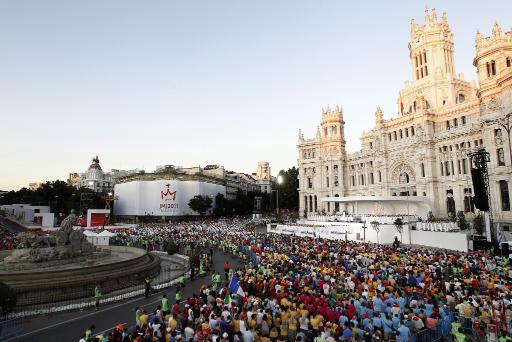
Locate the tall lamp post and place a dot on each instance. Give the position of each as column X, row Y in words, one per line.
column 505, row 123
column 279, row 182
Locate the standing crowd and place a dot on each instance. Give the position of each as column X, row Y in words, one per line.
column 304, row 289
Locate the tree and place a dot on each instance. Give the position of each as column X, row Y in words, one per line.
column 288, row 193
column 220, row 205
column 399, row 225
column 200, row 204
column 461, row 221
column 478, row 224
column 8, row 299
column 376, row 226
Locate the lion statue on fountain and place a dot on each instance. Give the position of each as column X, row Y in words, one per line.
column 64, row 244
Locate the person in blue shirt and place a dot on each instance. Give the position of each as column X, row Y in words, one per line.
column 405, row 333
column 347, row 333
column 386, row 324
column 343, row 319
column 377, row 305
column 401, row 302
column 395, row 321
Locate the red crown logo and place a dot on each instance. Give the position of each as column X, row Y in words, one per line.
column 168, row 192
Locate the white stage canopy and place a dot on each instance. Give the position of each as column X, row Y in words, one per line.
column 382, row 205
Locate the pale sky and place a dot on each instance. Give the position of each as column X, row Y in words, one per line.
column 146, row 83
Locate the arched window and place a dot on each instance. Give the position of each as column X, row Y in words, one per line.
column 460, row 98
column 505, row 199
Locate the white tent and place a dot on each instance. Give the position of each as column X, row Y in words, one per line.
column 103, row 238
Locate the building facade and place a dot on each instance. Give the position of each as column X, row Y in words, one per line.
column 96, row 179
column 423, row 151
column 263, row 177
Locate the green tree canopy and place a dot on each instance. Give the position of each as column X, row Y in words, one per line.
column 288, row 193
column 60, row 196
column 200, row 204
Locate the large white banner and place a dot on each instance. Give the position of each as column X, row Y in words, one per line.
column 161, row 197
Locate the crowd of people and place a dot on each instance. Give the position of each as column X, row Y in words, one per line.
column 303, row 289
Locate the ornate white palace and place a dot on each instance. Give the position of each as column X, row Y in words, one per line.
column 423, row 152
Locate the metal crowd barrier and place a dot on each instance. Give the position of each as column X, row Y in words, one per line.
column 428, row 335
column 11, row 327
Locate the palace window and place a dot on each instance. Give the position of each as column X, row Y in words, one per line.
column 491, row 68
column 465, row 166
column 458, row 166
column 447, row 124
column 422, row 170
column 380, row 177
column 400, row 132
column 455, row 123
column 442, row 169
column 412, row 130
column 327, row 181
column 389, row 135
column 463, row 120
column 446, row 168
column 508, row 62
column 497, row 132
column 406, row 132
column 362, row 180
column 371, row 178
column 310, row 183
column 505, row 198
column 353, row 180
column 501, row 157
column 394, row 134
column 468, row 201
column 461, row 98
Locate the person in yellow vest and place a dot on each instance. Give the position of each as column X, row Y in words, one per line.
column 97, row 297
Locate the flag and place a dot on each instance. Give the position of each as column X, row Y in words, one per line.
column 227, row 299
column 235, row 287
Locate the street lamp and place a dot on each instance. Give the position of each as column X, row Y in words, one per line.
column 279, row 182
column 505, row 123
